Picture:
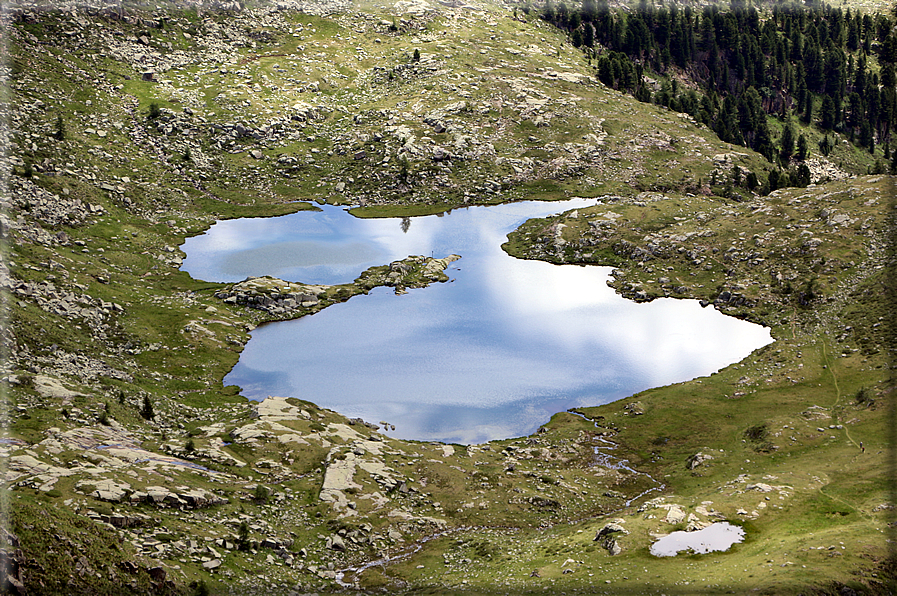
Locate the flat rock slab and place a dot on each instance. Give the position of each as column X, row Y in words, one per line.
column 675, row 514
column 33, row 466
column 53, row 388
column 278, row 408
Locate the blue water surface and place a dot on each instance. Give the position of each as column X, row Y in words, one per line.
column 491, row 354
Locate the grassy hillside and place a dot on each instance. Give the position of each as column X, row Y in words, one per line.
column 130, row 465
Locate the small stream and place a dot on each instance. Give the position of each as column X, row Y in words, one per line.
column 407, row 552
column 604, row 460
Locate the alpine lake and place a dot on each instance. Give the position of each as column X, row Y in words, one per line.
column 491, row 354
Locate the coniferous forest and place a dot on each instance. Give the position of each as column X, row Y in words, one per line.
column 732, row 68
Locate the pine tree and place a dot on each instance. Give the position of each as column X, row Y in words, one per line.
column 825, row 146
column 147, row 410
column 243, row 535
column 786, row 149
column 104, row 416
column 589, row 11
column 888, row 78
column 548, row 13
column 561, row 16
column 588, row 36
column 803, row 149
column 866, row 137
column 772, row 183
column 802, row 176
column 853, row 34
column 827, row 113
column 59, row 128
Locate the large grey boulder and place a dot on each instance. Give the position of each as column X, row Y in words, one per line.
column 610, row 528
column 696, row 460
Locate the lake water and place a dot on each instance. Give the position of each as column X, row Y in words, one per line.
column 715, row 537
column 491, row 354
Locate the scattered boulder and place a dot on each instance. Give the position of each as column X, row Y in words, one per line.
column 440, row 154
column 336, row 543
column 635, row 408
column 612, row 546
column 50, row 387
column 695, row 524
column 608, row 537
column 544, row 502
column 12, row 560
column 675, row 514
column 610, row 528
column 158, row 574
column 760, row 487
column 696, row 460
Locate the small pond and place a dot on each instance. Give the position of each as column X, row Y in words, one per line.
column 715, row 537
column 491, row 354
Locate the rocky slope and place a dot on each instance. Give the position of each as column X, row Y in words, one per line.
column 129, row 465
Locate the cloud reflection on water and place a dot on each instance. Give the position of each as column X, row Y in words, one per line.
column 492, row 354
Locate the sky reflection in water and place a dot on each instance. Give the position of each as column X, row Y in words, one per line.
column 715, row 537
column 492, row 354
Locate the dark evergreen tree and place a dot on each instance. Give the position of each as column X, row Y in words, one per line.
column 814, row 68
column 588, row 35
column 59, row 128
column 803, row 149
column 834, row 71
column 827, row 113
column 147, row 410
column 855, row 110
column 605, row 71
column 888, row 80
column 802, row 176
column 866, row 138
column 853, row 34
column 786, row 145
column 888, row 53
column 589, row 11
column 807, row 111
column 772, row 182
